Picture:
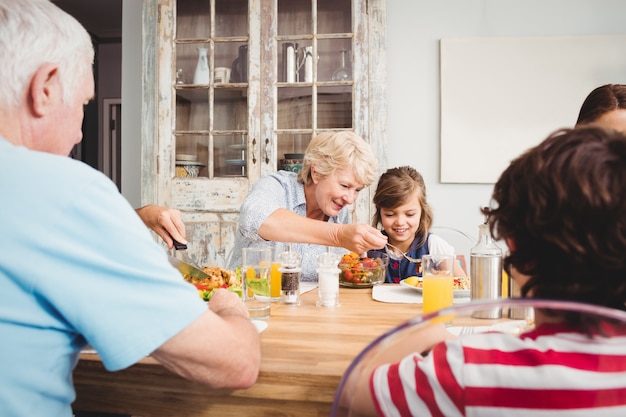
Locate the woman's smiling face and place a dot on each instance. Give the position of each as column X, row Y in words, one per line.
column 401, row 223
column 336, row 191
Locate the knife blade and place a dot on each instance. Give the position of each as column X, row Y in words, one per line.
column 187, row 269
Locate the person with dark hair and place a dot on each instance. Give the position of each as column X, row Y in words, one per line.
column 605, row 106
column 561, row 209
column 77, row 266
column 403, row 212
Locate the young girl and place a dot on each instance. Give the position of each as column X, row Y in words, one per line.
column 406, row 217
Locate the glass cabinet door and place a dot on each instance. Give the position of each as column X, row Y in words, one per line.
column 211, row 44
column 313, row 40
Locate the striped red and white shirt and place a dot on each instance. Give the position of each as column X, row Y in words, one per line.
column 548, row 372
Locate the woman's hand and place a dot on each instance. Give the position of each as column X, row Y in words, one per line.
column 165, row 222
column 360, row 238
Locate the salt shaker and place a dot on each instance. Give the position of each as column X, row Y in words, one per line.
column 290, row 277
column 486, row 273
column 328, row 280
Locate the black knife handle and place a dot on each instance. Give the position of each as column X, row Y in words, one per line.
column 178, row 245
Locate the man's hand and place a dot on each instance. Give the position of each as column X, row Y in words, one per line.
column 165, row 222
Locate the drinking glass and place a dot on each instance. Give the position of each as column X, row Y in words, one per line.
column 275, row 274
column 256, row 281
column 437, row 282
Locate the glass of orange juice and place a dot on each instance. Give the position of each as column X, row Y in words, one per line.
column 275, row 281
column 437, row 282
column 275, row 274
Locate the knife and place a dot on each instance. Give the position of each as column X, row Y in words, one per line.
column 183, row 267
column 187, row 269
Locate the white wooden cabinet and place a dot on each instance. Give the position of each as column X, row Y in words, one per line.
column 275, row 100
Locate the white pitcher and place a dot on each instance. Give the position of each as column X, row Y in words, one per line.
column 202, row 75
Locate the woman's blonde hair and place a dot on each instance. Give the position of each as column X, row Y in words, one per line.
column 330, row 151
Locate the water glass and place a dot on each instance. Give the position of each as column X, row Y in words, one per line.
column 256, row 281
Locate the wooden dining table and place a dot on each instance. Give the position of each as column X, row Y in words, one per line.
column 305, row 351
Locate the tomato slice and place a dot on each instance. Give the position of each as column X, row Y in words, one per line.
column 201, row 287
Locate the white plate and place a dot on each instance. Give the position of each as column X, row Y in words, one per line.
column 260, row 325
column 189, row 163
column 457, row 293
column 187, row 157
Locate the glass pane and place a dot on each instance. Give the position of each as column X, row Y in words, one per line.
column 230, row 155
column 188, row 56
column 193, row 19
column 234, row 57
column 295, row 108
column 231, row 109
column 231, row 17
column 334, row 16
column 295, row 62
column 331, row 59
column 192, row 109
column 334, row 107
column 191, row 156
column 294, row 17
column 291, row 147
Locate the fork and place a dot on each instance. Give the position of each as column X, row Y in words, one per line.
column 397, row 251
column 466, row 330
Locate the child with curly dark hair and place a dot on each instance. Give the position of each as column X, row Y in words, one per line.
column 561, row 209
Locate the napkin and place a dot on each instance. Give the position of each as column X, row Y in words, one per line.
column 395, row 293
column 306, row 286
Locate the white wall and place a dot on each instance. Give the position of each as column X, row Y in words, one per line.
column 414, row 29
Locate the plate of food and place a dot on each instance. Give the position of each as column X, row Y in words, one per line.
column 218, row 278
column 461, row 285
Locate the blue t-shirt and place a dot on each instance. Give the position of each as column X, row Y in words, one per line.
column 77, row 267
column 273, row 191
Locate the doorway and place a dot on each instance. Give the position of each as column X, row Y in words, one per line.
column 111, row 144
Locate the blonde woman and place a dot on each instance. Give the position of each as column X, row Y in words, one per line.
column 310, row 209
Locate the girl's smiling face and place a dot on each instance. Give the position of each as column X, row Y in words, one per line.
column 401, row 223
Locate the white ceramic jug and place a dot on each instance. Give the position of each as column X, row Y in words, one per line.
column 202, row 75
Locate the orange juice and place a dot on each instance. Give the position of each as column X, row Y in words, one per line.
column 250, row 274
column 505, row 284
column 438, row 292
column 275, row 284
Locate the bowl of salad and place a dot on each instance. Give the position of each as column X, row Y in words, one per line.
column 362, row 272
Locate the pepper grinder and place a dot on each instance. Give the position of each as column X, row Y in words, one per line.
column 290, row 277
column 328, row 280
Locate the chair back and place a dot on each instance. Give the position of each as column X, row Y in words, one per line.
column 461, row 242
column 384, row 348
